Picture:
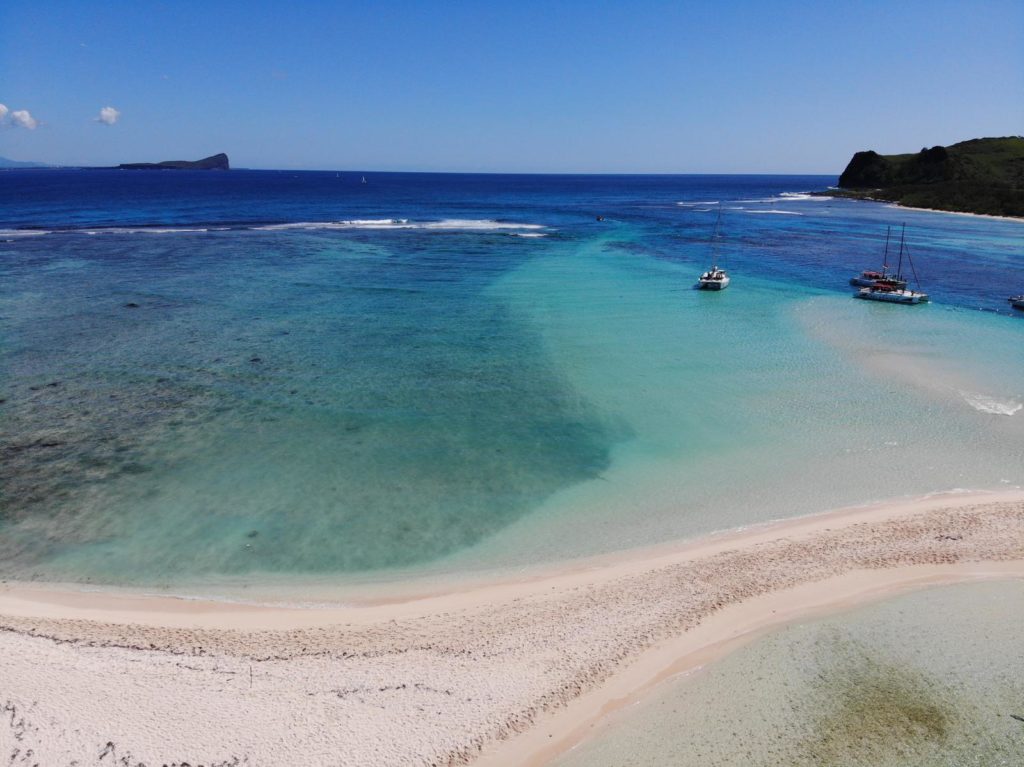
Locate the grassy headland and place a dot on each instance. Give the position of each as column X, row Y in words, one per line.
column 984, row 175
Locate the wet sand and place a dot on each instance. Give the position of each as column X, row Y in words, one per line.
column 510, row 671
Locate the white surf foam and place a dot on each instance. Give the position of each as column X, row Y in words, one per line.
column 142, row 230
column 800, row 196
column 448, row 224
column 986, row 404
column 23, row 232
column 777, row 212
column 689, row 203
column 484, row 224
column 358, row 223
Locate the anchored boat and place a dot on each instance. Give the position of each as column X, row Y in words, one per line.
column 869, row 278
column 714, row 278
column 893, row 289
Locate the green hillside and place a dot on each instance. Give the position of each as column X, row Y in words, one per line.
column 984, row 175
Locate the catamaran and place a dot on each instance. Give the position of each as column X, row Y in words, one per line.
column 887, row 290
column 714, row 278
column 869, row 278
column 1017, row 302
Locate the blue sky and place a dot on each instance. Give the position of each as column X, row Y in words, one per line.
column 679, row 87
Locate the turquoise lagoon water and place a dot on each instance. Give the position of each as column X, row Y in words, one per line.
column 932, row 679
column 255, row 376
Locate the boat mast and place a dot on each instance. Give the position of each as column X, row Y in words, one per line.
column 714, row 240
column 885, row 256
column 913, row 269
column 899, row 268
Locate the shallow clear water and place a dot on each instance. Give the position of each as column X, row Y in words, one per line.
column 254, row 375
column 931, row 678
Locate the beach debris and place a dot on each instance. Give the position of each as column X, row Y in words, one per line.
column 1018, row 717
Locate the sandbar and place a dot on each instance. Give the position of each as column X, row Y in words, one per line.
column 509, row 670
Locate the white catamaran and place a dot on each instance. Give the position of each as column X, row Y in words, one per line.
column 714, row 278
column 891, row 290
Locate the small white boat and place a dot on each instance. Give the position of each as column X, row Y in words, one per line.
column 363, row 180
column 892, row 295
column 714, row 278
column 1017, row 302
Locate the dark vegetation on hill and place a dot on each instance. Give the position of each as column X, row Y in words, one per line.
column 984, row 175
column 214, row 162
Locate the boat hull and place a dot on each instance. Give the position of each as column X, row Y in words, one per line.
column 713, row 284
column 892, row 296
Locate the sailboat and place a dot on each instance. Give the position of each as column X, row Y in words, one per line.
column 869, row 278
column 714, row 278
column 887, row 290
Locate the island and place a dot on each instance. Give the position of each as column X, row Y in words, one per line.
column 214, row 162
column 9, row 164
column 984, row 175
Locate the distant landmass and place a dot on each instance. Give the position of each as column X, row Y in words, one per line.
column 214, row 162
column 8, row 163
column 984, row 175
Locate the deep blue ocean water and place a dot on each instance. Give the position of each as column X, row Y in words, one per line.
column 239, row 375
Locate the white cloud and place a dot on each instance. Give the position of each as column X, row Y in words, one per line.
column 108, row 116
column 24, row 119
column 3, row 112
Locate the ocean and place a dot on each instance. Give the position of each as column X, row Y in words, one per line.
column 210, row 379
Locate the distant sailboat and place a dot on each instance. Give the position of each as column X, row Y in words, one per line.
column 888, row 291
column 714, row 278
column 363, row 181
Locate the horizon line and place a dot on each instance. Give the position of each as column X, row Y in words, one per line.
column 357, row 171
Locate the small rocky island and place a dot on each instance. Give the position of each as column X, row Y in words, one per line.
column 214, row 162
column 984, row 175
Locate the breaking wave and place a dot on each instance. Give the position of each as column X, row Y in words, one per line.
column 448, row 224
column 22, row 232
column 148, row 230
column 986, row 404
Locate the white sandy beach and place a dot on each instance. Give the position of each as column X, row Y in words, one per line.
column 1017, row 219
column 511, row 671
